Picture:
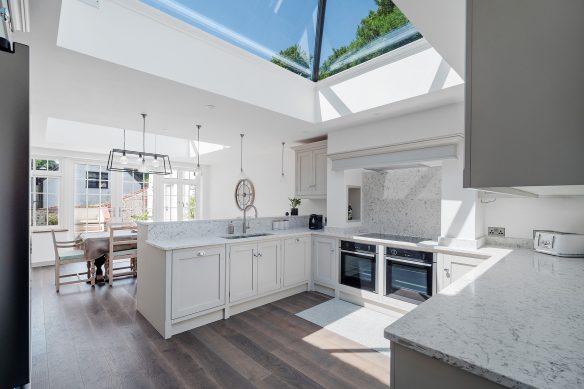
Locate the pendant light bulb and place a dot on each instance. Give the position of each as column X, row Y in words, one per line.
column 155, row 163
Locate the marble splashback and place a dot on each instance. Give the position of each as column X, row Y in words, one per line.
column 218, row 227
column 403, row 202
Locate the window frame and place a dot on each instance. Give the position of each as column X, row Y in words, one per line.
column 34, row 174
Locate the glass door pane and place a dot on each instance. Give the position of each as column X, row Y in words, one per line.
column 189, row 202
column 93, row 198
column 170, row 202
column 410, row 278
column 136, row 201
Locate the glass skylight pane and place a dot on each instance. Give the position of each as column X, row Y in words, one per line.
column 356, row 31
column 281, row 31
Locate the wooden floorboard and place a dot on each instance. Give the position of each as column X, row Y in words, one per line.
column 87, row 337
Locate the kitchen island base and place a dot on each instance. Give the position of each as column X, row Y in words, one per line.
column 407, row 364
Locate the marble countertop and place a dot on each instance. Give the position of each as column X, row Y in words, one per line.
column 216, row 240
column 517, row 319
column 432, row 246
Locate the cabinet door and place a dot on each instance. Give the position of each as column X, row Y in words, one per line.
column 242, row 271
column 305, row 173
column 454, row 267
column 198, row 280
column 296, row 260
column 269, row 271
column 320, row 169
column 324, row 257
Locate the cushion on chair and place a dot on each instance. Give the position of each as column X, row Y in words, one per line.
column 126, row 253
column 69, row 255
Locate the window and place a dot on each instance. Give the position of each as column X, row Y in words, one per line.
column 45, row 193
column 277, row 30
column 285, row 31
column 92, row 198
column 356, row 31
column 180, row 196
column 45, row 165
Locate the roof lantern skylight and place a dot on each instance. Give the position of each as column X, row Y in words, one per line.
column 312, row 38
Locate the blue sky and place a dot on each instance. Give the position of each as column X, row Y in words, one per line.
column 274, row 24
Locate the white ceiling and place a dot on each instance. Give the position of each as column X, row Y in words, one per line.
column 71, row 86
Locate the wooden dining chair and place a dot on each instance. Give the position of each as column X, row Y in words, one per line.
column 67, row 252
column 122, row 248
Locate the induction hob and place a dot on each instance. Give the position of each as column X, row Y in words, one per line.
column 395, row 238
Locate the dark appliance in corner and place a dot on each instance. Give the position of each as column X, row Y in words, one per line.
column 315, row 222
column 410, row 274
column 14, row 237
column 358, row 265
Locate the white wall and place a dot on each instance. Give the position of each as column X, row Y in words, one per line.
column 263, row 168
column 520, row 216
column 460, row 217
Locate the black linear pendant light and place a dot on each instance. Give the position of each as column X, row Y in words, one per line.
column 146, row 163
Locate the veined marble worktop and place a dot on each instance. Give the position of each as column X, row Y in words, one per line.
column 200, row 241
column 517, row 320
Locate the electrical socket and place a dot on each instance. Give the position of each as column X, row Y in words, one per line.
column 497, row 231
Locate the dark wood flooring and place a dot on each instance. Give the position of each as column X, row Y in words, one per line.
column 84, row 338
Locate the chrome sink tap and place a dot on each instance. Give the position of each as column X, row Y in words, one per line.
column 245, row 222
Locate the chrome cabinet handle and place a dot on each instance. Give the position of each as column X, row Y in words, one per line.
column 332, row 251
column 201, row 254
column 297, row 240
column 260, row 255
column 447, row 273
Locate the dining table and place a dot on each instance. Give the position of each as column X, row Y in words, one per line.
column 96, row 246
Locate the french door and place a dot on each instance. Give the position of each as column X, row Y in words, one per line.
column 180, row 196
column 102, row 197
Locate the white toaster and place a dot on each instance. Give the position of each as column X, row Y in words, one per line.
column 561, row 244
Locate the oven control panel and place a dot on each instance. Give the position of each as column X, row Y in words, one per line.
column 358, row 247
column 422, row 256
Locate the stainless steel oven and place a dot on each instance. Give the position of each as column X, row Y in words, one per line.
column 410, row 274
column 358, row 265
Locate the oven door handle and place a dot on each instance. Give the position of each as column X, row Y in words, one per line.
column 409, row 262
column 359, row 254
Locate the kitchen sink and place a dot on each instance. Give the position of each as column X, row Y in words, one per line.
column 246, row 236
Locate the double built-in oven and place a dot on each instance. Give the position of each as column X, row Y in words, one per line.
column 410, row 275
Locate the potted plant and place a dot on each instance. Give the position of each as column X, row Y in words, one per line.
column 294, row 203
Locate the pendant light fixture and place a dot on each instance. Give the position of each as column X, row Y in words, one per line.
column 198, row 171
column 241, row 173
column 147, row 163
